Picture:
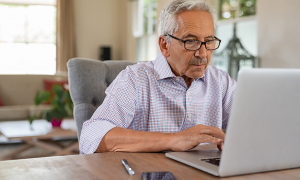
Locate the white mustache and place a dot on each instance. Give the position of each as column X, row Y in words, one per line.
column 197, row 61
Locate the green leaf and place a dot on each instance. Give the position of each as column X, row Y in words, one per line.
column 41, row 97
column 45, row 96
column 31, row 119
column 48, row 115
column 58, row 90
column 61, row 103
column 37, row 98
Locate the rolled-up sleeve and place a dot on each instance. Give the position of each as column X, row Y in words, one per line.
column 117, row 110
column 92, row 134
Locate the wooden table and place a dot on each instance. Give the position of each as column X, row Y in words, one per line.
column 109, row 166
column 40, row 134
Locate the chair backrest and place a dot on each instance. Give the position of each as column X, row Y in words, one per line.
column 88, row 80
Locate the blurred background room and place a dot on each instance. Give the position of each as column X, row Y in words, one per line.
column 38, row 37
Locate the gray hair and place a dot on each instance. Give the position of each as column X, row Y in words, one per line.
column 168, row 23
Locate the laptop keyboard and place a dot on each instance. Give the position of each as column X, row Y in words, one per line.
column 214, row 161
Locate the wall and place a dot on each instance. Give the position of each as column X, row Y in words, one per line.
column 278, row 33
column 98, row 23
column 128, row 47
column 106, row 22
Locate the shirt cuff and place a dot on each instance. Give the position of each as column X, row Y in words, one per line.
column 92, row 133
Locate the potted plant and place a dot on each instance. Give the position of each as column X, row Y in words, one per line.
column 61, row 105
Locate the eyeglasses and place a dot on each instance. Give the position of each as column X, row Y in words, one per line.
column 194, row 45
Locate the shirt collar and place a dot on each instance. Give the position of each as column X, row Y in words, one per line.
column 162, row 68
column 203, row 78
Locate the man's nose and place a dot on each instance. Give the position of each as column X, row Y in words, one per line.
column 201, row 52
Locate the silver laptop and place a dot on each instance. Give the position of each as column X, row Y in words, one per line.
column 263, row 132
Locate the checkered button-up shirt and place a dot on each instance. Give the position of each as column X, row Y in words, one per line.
column 149, row 97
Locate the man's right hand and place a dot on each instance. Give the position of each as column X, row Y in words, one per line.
column 191, row 137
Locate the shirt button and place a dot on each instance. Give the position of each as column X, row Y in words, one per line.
column 189, row 115
column 177, row 79
column 188, row 93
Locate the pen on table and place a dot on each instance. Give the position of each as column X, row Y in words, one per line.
column 127, row 167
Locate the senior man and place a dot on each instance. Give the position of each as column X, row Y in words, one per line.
column 173, row 103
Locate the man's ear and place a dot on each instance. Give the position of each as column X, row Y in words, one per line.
column 163, row 46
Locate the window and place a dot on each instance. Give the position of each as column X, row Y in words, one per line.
column 241, row 12
column 229, row 9
column 27, row 38
column 144, row 26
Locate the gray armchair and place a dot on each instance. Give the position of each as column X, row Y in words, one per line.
column 88, row 80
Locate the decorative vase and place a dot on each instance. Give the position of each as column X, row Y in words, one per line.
column 55, row 122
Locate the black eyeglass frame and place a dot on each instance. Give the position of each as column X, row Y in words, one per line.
column 181, row 40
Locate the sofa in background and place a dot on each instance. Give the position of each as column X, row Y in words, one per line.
column 17, row 95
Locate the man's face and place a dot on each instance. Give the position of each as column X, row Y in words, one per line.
column 197, row 25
